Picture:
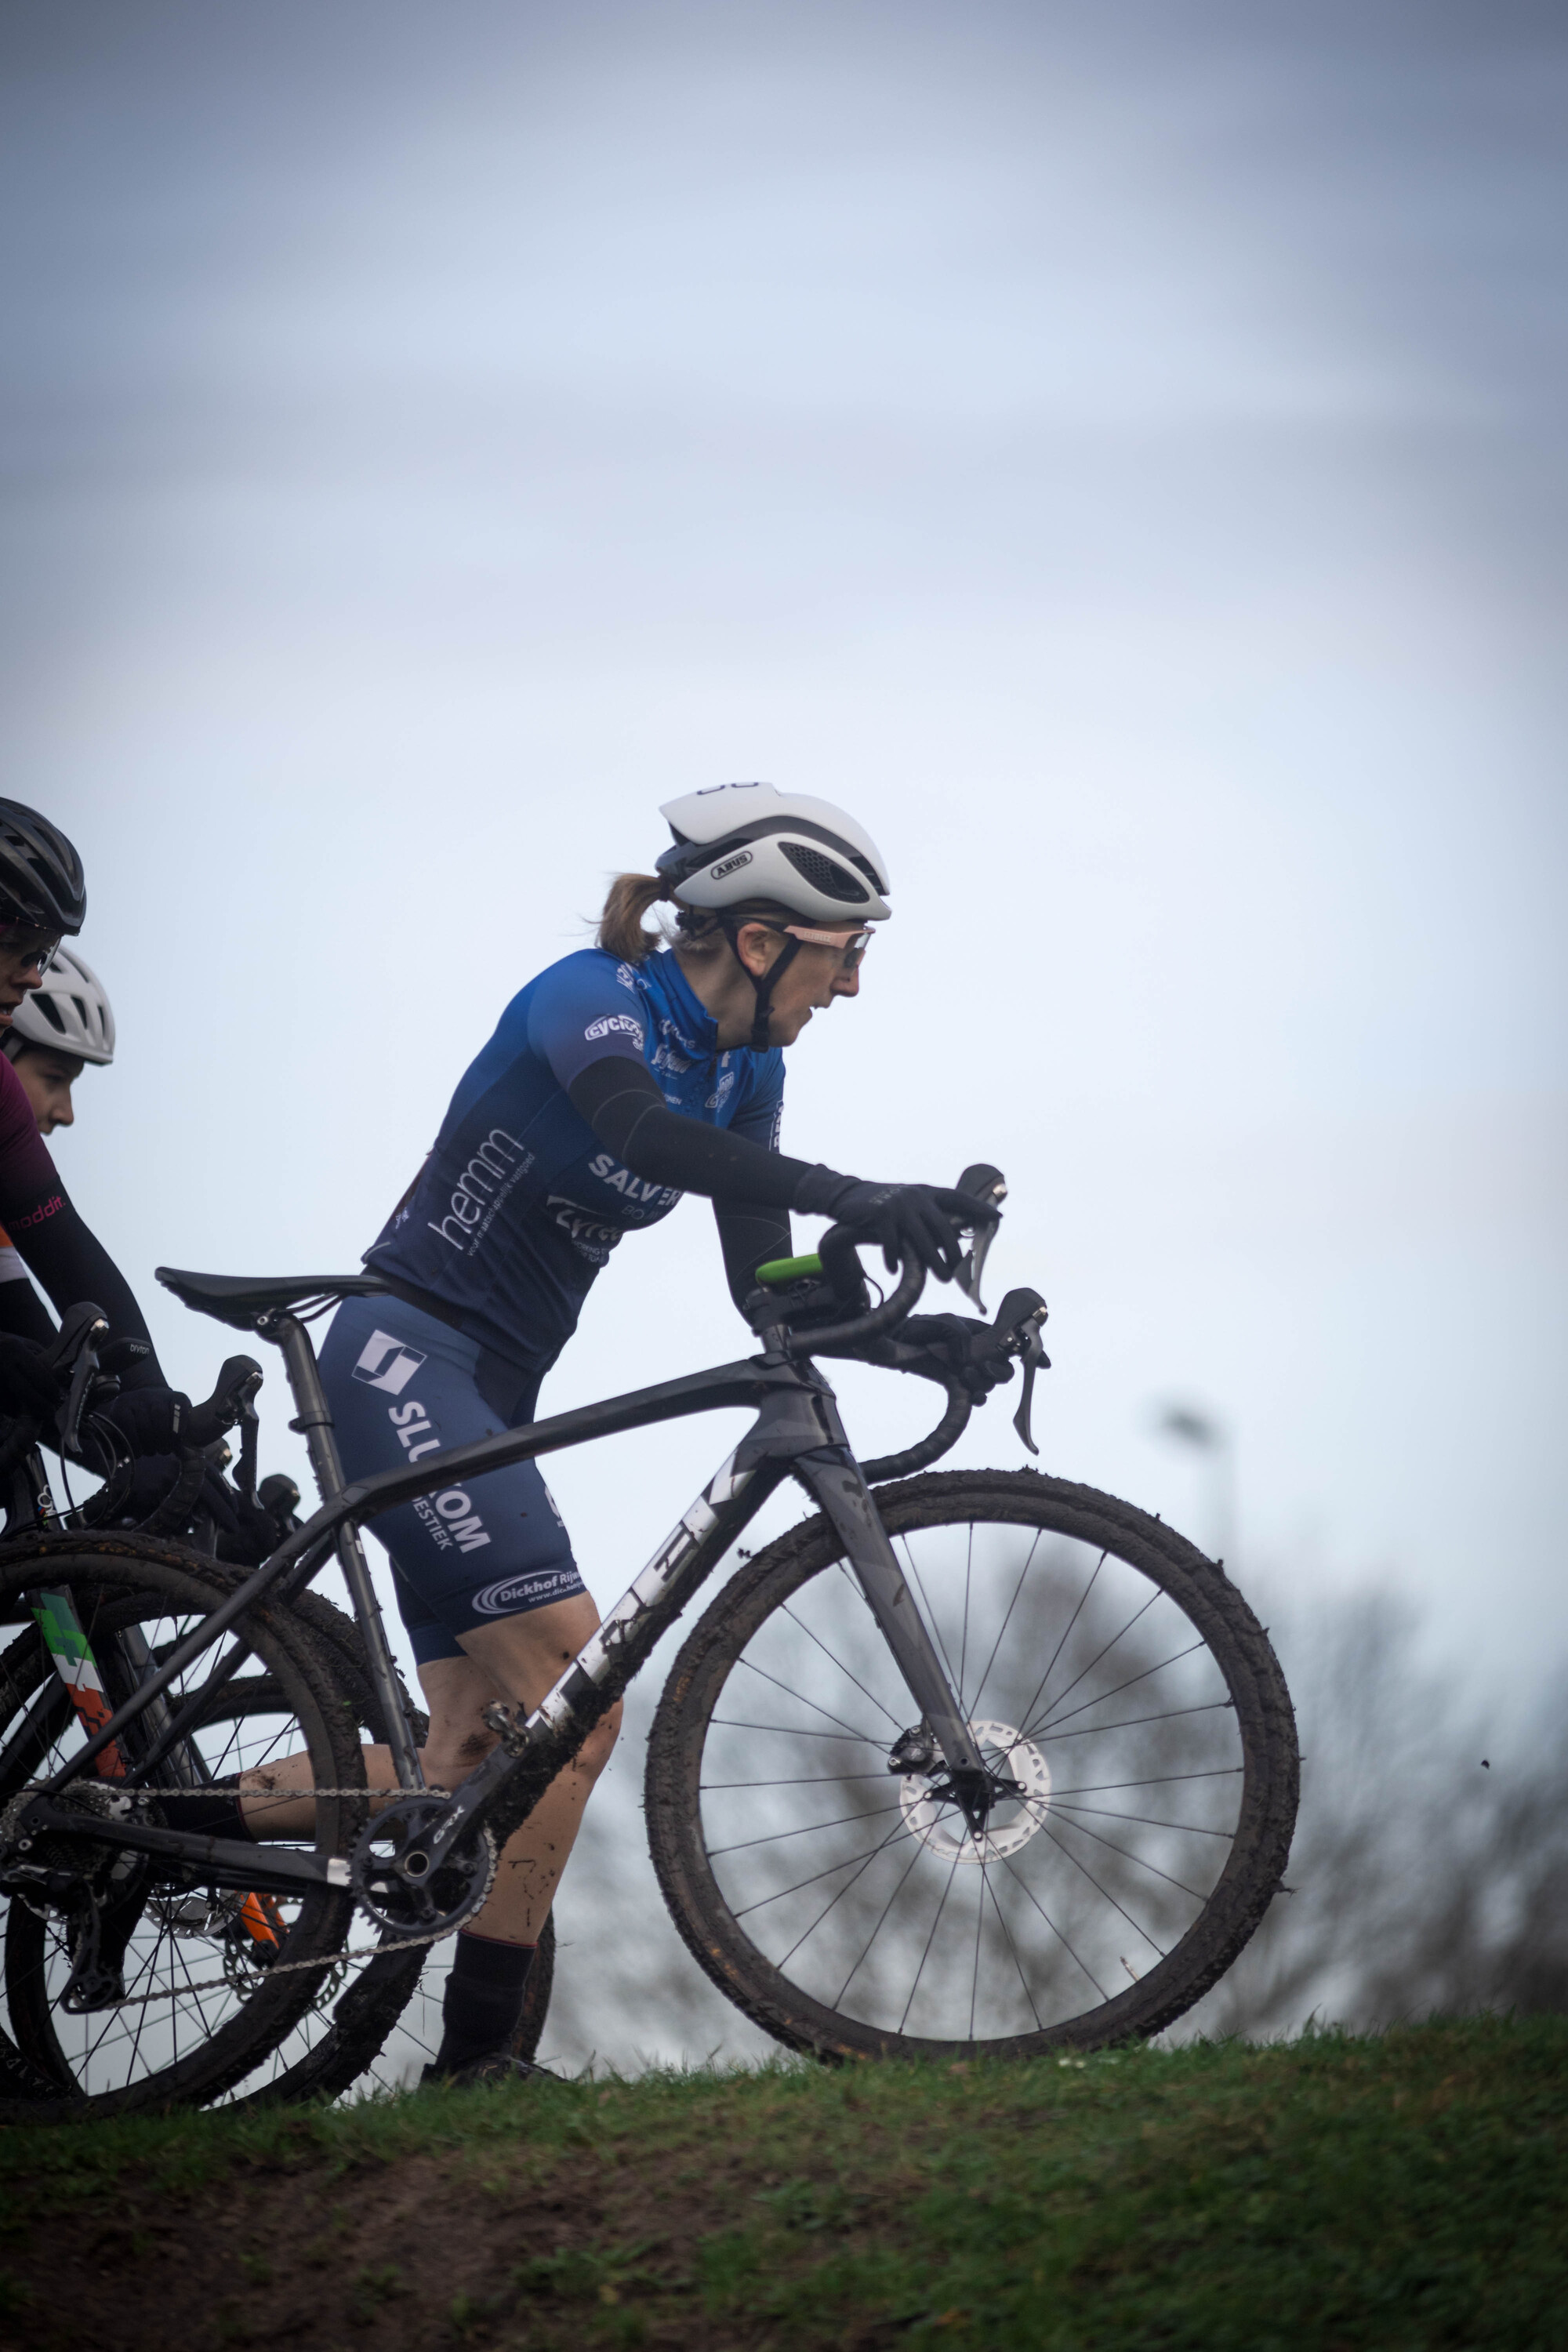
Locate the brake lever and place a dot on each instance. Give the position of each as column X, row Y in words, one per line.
column 987, row 1184
column 1019, row 1317
column 78, row 1335
column 1034, row 1357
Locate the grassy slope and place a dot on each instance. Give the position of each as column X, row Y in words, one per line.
column 1405, row 2191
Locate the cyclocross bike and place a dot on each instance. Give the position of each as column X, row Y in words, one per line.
column 984, row 1762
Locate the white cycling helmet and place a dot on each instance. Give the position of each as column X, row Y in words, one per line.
column 69, row 1011
column 737, row 844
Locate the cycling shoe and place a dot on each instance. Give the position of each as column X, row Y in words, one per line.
column 495, row 2066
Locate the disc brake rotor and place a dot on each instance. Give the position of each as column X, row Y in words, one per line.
column 939, row 1823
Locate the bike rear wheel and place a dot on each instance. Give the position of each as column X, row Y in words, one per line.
column 206, row 1998
column 1115, row 1677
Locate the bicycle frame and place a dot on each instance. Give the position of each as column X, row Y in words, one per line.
column 797, row 1432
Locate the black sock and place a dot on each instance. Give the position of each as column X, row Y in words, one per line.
column 204, row 1812
column 483, row 2000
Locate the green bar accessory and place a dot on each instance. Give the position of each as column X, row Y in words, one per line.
column 789, row 1269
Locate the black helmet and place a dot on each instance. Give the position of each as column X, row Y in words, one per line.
column 41, row 880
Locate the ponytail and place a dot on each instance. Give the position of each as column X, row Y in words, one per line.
column 621, row 931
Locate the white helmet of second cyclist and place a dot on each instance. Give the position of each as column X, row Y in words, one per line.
column 740, row 842
column 68, row 1011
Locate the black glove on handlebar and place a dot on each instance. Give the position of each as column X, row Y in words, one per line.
column 152, row 1479
column 152, row 1420
column 969, row 1351
column 29, row 1389
column 914, row 1222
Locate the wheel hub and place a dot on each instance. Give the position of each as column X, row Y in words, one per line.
column 932, row 1813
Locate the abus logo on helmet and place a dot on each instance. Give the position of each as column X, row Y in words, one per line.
column 614, row 1025
column 730, row 866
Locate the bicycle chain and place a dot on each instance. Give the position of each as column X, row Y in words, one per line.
column 300, row 1967
column 286, row 1969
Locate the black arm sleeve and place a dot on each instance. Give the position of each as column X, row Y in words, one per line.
column 621, row 1102
column 72, row 1265
column 22, row 1311
column 749, row 1238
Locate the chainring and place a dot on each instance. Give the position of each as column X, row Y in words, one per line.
column 392, row 1886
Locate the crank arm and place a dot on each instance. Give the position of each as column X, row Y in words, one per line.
column 218, row 1862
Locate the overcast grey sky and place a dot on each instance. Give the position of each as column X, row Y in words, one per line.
column 1118, row 451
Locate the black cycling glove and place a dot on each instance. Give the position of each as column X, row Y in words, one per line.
column 152, row 1479
column 968, row 1349
column 29, row 1389
column 914, row 1222
column 152, row 1420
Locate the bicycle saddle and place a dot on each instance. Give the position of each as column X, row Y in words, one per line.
column 240, row 1299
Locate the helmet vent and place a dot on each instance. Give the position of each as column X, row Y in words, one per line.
column 825, row 873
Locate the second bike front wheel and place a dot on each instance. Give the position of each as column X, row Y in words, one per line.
column 1111, row 1675
column 209, row 1986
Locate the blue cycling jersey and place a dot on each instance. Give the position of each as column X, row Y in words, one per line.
column 519, row 1204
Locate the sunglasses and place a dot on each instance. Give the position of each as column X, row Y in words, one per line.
column 23, row 945
column 851, row 944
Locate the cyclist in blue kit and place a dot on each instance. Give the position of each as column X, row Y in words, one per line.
column 620, row 1078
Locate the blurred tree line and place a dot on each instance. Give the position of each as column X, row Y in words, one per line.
column 1430, row 1866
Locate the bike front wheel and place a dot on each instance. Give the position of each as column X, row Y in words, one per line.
column 211, row 1982
column 1112, row 1674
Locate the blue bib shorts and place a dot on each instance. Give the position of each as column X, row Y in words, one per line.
column 402, row 1384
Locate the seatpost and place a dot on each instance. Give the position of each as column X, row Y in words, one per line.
column 313, row 1422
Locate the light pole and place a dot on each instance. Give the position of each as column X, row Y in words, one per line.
column 1208, row 1435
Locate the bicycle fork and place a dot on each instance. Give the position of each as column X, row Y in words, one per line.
column 833, row 1478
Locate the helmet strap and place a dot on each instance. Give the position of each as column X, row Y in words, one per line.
column 764, row 983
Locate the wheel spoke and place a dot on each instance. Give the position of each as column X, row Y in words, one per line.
column 849, row 1860
column 1169, row 1715
column 805, row 1781
column 1157, row 1781
column 1154, row 1872
column 843, row 1669
column 1066, row 1635
column 877, row 1930
column 1056, row 1931
column 1047, row 1723
column 801, row 1698
column 796, row 1730
column 996, row 1644
column 807, row 1829
column 1011, row 1947
column 1142, row 1821
column 925, row 1954
column 930, row 1617
column 1104, row 1653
